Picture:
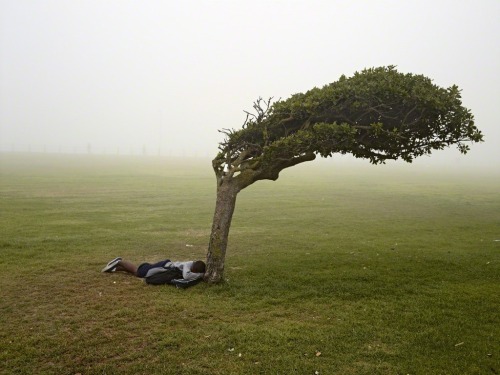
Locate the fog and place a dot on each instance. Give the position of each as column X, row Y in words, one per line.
column 161, row 77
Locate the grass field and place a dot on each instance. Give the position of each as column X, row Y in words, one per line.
column 339, row 270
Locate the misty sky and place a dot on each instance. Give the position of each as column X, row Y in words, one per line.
column 124, row 75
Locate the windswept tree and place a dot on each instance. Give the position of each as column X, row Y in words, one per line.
column 378, row 114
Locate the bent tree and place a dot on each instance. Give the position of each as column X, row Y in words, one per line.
column 377, row 114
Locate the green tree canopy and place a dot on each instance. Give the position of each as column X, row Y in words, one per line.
column 377, row 114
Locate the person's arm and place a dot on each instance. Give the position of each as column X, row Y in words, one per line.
column 187, row 274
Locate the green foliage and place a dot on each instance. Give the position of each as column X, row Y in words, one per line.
column 377, row 114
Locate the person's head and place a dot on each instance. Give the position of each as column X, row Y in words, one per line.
column 198, row 267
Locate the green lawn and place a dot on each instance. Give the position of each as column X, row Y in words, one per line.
column 338, row 270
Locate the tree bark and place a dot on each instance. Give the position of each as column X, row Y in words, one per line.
column 227, row 191
column 228, row 187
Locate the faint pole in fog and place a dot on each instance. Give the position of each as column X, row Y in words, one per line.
column 160, row 130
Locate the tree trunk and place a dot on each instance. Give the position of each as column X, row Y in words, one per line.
column 224, row 208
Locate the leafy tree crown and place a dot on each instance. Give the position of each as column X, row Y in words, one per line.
column 377, row 114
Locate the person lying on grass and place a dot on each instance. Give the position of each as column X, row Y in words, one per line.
column 188, row 271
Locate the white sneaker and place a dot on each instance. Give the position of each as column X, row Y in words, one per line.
column 110, row 267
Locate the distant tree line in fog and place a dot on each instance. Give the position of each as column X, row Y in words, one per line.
column 91, row 149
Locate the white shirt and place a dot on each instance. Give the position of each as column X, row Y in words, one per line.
column 185, row 267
